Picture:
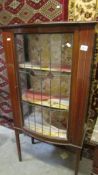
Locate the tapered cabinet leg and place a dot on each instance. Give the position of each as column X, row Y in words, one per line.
column 18, row 144
column 32, row 140
column 78, row 156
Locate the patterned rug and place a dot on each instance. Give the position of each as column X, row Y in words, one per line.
column 7, row 122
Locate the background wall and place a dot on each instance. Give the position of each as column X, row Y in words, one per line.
column 82, row 10
column 29, row 11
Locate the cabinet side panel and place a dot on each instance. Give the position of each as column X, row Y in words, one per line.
column 80, row 86
column 9, row 49
column 73, row 103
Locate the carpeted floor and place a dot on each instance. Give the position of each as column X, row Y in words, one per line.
column 38, row 159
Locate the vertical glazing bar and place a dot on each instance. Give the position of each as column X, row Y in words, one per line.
column 41, row 87
column 60, row 81
column 34, row 112
column 28, row 115
column 50, row 80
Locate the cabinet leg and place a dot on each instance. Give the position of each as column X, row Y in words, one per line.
column 32, row 139
column 81, row 153
column 18, row 145
column 78, row 155
column 95, row 161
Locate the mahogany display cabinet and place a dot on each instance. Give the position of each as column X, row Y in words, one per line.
column 49, row 69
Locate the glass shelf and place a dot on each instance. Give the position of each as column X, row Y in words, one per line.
column 45, row 100
column 30, row 66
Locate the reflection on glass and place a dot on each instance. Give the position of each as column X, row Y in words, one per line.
column 44, row 62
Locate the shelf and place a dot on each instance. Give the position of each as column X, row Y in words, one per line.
column 45, row 101
column 46, row 130
column 30, row 66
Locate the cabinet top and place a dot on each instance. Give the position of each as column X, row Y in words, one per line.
column 73, row 24
column 48, row 27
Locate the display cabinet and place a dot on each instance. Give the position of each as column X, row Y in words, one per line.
column 49, row 78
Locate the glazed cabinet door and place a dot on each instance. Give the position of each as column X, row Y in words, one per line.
column 40, row 67
column 45, row 68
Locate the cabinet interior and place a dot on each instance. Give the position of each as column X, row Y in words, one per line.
column 44, row 69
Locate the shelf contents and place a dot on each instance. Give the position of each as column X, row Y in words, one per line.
column 44, row 100
column 46, row 130
column 36, row 67
column 45, row 116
